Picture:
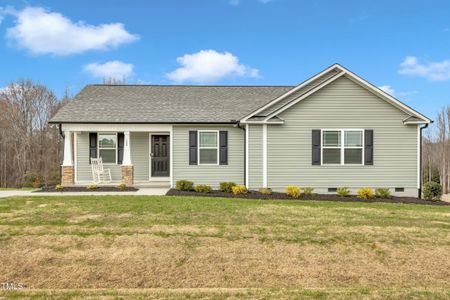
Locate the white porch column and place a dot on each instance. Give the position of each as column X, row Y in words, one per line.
column 67, row 162
column 126, row 149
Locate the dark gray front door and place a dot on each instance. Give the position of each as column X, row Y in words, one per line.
column 160, row 156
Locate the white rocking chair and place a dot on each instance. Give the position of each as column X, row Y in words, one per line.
column 99, row 174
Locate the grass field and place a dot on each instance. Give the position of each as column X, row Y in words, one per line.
column 175, row 247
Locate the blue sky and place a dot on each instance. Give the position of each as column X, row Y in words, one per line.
column 402, row 46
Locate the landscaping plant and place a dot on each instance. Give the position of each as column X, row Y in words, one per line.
column 91, row 187
column 59, row 187
column 432, row 191
column 343, row 191
column 383, row 193
column 184, row 185
column 227, row 186
column 293, row 191
column 239, row 190
column 203, row 188
column 365, row 193
column 265, row 191
column 308, row 191
column 32, row 180
column 122, row 186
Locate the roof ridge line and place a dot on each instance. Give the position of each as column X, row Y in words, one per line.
column 187, row 85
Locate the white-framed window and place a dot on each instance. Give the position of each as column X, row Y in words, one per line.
column 208, row 147
column 107, row 147
column 342, row 147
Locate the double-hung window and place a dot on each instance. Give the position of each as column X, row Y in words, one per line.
column 342, row 147
column 107, row 147
column 208, row 147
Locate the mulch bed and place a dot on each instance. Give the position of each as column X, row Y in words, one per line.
column 84, row 189
column 320, row 197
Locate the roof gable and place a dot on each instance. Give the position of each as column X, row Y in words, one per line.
column 321, row 80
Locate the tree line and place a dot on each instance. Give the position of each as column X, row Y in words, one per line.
column 28, row 144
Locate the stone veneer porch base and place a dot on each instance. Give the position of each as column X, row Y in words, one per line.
column 128, row 175
column 67, row 175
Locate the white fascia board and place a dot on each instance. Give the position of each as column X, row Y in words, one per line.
column 291, row 91
column 116, row 127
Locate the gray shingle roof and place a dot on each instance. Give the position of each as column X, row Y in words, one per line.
column 165, row 103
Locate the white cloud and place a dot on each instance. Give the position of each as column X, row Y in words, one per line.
column 435, row 71
column 388, row 89
column 43, row 32
column 208, row 66
column 115, row 69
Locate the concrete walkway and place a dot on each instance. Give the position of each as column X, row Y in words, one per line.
column 446, row 197
column 141, row 192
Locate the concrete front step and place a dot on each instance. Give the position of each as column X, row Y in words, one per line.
column 446, row 197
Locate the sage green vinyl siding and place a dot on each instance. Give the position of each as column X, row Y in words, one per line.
column 342, row 104
column 139, row 142
column 208, row 174
column 84, row 173
column 255, row 156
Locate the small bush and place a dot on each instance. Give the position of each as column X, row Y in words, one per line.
column 91, row 187
column 32, row 180
column 59, row 187
column 184, row 185
column 293, row 191
column 343, row 191
column 53, row 179
column 383, row 193
column 265, row 191
column 432, row 191
column 122, row 186
column 203, row 188
column 308, row 191
column 365, row 193
column 239, row 190
column 227, row 186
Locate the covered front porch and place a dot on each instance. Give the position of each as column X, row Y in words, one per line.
column 135, row 154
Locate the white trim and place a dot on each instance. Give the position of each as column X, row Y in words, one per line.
column 419, row 154
column 126, row 159
column 67, row 162
column 264, row 146
column 342, row 146
column 117, row 146
column 75, row 160
column 246, row 155
column 199, row 148
column 117, row 127
column 291, row 91
column 313, row 90
column 171, row 156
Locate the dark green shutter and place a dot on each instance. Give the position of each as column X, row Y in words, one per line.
column 92, row 145
column 223, row 151
column 315, row 142
column 193, row 148
column 120, row 142
column 368, row 147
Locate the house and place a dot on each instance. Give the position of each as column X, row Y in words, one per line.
column 333, row 130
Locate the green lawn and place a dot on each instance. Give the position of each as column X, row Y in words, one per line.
column 182, row 247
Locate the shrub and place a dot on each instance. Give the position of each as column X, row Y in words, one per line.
column 383, row 193
column 342, row 191
column 59, row 187
column 91, row 187
column 53, row 179
column 203, row 188
column 239, row 190
column 32, row 179
column 265, row 191
column 122, row 186
column 432, row 191
column 184, row 185
column 308, row 191
column 227, row 186
column 293, row 191
column 365, row 193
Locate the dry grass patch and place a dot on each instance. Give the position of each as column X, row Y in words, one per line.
column 262, row 248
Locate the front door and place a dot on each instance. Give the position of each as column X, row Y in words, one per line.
column 160, row 156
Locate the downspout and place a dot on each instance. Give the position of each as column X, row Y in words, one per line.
column 238, row 125
column 420, row 161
